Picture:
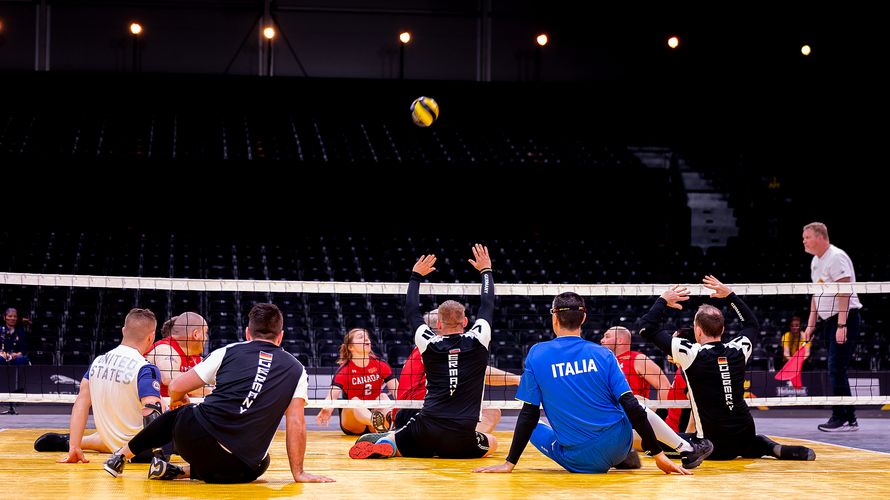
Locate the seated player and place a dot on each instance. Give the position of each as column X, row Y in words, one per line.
column 642, row 373
column 455, row 362
column 361, row 377
column 589, row 404
column 412, row 384
column 123, row 390
column 179, row 349
column 715, row 374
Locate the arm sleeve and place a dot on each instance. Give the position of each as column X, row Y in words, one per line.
column 840, row 267
column 481, row 331
column 640, row 423
column 207, row 369
column 149, row 381
column 341, row 378
column 743, row 313
column 412, row 302
column 486, row 308
column 525, row 425
column 648, row 327
column 386, row 372
column 302, row 390
column 684, row 352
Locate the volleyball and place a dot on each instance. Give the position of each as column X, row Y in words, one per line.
column 424, row 111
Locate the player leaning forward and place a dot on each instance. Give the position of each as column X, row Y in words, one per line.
column 226, row 439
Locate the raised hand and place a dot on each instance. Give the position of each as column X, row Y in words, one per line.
column 674, row 295
column 720, row 290
column 482, row 259
column 425, row 264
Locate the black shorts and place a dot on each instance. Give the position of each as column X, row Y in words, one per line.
column 426, row 436
column 347, row 431
column 209, row 461
column 403, row 416
column 745, row 444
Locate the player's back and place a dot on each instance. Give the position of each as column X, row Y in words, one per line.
column 580, row 383
column 114, row 394
column 716, row 384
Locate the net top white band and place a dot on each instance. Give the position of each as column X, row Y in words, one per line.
column 360, row 288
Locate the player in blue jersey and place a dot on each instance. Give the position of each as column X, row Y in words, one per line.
column 588, row 401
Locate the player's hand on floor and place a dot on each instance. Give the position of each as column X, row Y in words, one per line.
column 75, row 455
column 504, row 467
column 305, row 477
column 668, row 466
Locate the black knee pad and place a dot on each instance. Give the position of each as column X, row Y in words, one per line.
column 155, row 413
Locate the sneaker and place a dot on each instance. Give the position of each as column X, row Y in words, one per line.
column 836, row 425
column 115, row 464
column 367, row 446
column 380, row 422
column 701, row 449
column 631, row 461
column 165, row 471
column 787, row 452
column 52, row 441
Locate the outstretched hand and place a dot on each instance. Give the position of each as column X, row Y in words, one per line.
column 482, row 259
column 674, row 295
column 720, row 290
column 425, row 265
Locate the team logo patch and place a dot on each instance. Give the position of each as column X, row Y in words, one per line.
column 156, row 385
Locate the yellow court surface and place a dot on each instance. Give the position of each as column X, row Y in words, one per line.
column 837, row 472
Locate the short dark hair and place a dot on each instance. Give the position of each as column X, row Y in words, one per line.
column 266, row 321
column 569, row 310
column 710, row 320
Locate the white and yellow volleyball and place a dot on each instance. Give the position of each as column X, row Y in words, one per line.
column 424, row 111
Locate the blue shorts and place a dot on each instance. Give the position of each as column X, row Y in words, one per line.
column 610, row 447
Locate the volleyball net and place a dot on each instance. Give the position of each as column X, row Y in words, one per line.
column 75, row 318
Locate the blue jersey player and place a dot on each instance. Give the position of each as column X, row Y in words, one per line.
column 588, row 401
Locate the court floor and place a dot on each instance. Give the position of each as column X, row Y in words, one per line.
column 837, row 472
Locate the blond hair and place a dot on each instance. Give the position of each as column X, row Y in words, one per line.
column 817, row 228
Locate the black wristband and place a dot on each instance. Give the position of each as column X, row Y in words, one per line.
column 484, row 270
column 841, row 325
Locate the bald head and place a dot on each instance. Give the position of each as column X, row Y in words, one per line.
column 432, row 319
column 617, row 340
column 190, row 330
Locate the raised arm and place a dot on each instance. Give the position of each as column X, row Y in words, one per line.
column 482, row 263
column 741, row 310
column 649, row 325
column 423, row 267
